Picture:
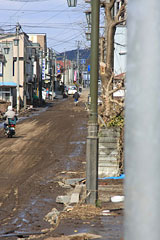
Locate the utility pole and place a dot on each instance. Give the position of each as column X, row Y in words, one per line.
column 24, row 85
column 92, row 139
column 18, row 27
column 40, row 80
column 54, row 74
column 78, row 60
column 55, row 71
column 64, row 67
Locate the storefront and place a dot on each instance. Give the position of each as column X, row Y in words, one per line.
column 8, row 92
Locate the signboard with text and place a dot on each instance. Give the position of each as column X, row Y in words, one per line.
column 43, row 69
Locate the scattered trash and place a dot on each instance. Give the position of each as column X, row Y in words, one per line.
column 68, row 209
column 106, row 212
column 116, row 199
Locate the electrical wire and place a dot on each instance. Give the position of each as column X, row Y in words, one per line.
column 68, row 40
column 38, row 11
column 17, row 11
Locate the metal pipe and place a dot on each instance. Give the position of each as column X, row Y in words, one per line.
column 142, row 128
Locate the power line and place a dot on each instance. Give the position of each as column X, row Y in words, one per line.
column 52, row 27
column 38, row 11
column 68, row 40
column 38, row 24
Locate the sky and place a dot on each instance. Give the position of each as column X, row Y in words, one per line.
column 64, row 26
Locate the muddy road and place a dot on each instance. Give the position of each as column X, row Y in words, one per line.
column 46, row 148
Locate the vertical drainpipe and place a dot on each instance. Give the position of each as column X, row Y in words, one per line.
column 142, row 125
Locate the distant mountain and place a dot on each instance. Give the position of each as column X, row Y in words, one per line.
column 72, row 55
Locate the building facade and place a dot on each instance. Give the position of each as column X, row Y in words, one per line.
column 16, row 68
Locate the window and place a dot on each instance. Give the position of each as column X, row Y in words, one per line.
column 14, row 67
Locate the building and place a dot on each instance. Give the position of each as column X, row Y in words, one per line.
column 16, row 56
column 39, row 38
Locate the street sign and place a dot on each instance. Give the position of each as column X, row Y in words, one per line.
column 89, row 68
column 83, row 61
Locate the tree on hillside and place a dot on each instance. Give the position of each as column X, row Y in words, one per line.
column 113, row 19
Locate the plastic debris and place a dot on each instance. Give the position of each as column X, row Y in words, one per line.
column 116, row 199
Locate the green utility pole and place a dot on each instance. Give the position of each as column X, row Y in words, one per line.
column 92, row 139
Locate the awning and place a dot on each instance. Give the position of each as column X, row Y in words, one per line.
column 8, row 84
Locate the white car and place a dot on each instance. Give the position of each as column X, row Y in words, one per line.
column 72, row 90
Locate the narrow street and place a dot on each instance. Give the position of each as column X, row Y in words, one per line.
column 47, row 148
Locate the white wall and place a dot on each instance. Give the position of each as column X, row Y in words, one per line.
column 120, row 47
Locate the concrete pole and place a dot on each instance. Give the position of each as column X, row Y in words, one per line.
column 55, row 73
column 142, row 127
column 40, row 79
column 92, row 139
column 18, row 93
column 64, row 75
column 25, row 84
column 78, row 62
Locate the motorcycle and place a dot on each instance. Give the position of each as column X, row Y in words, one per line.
column 10, row 128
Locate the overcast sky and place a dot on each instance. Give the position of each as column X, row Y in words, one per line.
column 64, row 26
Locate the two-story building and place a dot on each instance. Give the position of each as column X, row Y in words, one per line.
column 17, row 57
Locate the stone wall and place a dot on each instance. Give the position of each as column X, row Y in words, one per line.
column 109, row 152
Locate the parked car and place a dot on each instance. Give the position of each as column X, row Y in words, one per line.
column 72, row 90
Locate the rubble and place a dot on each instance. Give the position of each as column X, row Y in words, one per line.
column 63, row 199
column 52, row 217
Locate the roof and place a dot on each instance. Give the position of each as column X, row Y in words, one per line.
column 9, row 35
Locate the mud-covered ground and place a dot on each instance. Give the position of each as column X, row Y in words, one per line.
column 46, row 149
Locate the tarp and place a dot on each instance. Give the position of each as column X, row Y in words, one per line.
column 122, row 176
column 9, row 84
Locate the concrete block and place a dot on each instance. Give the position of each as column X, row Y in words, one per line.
column 107, row 158
column 108, row 139
column 106, row 153
column 108, row 172
column 73, row 181
column 78, row 189
column 105, row 140
column 109, row 152
column 110, row 132
column 74, row 198
column 63, row 199
column 108, row 164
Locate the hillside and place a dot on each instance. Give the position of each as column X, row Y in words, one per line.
column 72, row 55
